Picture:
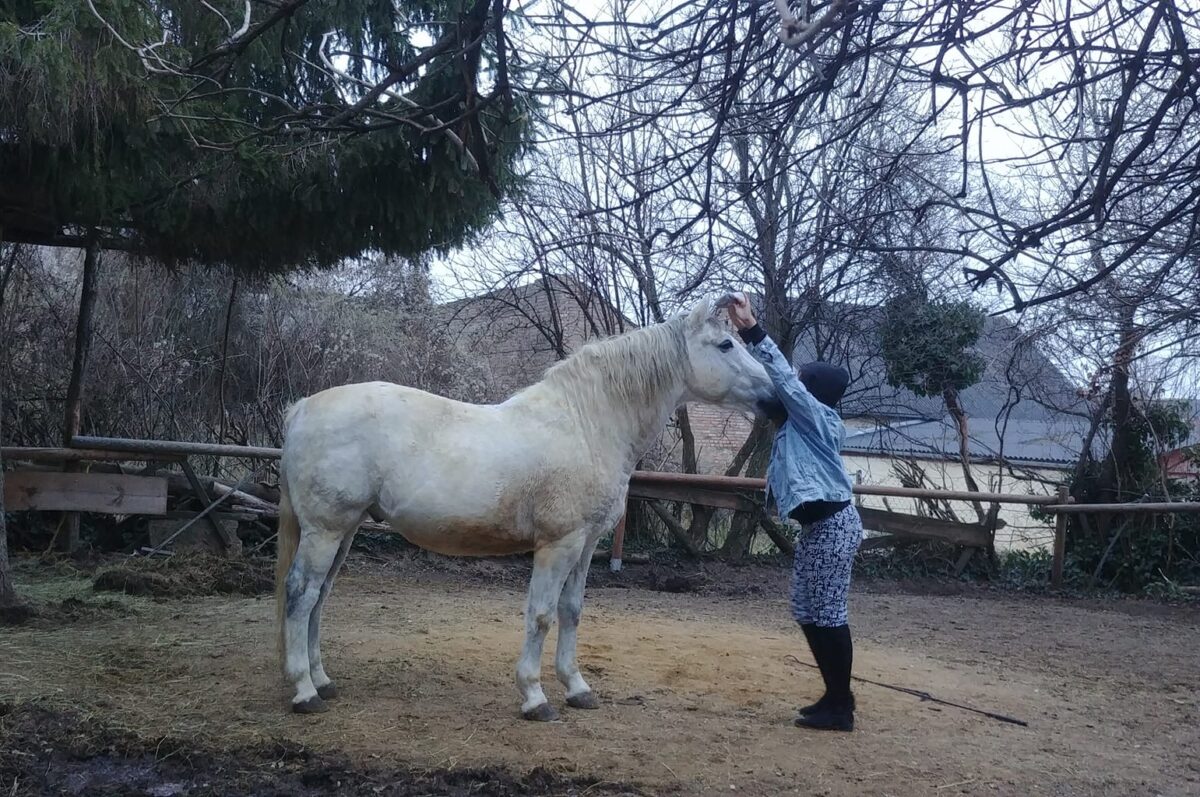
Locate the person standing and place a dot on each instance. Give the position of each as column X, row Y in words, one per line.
column 809, row 483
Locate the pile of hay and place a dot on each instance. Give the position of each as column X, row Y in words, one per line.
column 187, row 575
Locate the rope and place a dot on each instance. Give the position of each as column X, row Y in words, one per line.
column 924, row 696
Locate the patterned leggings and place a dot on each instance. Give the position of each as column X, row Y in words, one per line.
column 821, row 572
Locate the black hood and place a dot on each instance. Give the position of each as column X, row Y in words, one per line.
column 826, row 382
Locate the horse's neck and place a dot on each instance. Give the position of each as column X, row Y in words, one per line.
column 619, row 423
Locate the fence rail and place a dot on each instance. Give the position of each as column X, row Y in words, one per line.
column 723, row 491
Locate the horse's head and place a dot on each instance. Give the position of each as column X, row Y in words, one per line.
column 720, row 370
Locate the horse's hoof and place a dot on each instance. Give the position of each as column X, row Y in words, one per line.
column 585, row 700
column 543, row 713
column 314, row 705
column 327, row 692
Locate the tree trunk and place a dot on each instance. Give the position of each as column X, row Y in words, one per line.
column 8, row 595
column 950, row 397
column 1116, row 475
column 697, row 529
column 222, row 420
column 745, row 524
column 68, row 538
column 10, row 605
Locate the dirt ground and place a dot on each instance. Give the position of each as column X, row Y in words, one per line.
column 699, row 690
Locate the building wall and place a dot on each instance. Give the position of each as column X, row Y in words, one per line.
column 1022, row 531
column 719, row 434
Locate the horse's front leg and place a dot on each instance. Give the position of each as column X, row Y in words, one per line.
column 551, row 565
column 570, row 608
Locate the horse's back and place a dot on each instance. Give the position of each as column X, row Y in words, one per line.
column 431, row 464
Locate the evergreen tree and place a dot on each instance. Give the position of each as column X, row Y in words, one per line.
column 176, row 141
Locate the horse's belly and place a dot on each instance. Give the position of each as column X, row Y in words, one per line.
column 466, row 538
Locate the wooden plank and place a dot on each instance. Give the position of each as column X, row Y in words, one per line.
column 691, row 495
column 109, row 493
column 969, row 534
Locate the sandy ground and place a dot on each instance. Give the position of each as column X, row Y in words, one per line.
column 698, row 691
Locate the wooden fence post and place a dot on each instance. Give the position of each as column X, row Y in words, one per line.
column 1060, row 539
column 618, row 544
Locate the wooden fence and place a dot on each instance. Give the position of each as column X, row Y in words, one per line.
column 729, row 492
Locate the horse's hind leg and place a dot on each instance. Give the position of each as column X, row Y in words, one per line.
column 314, row 557
column 324, row 684
column 570, row 608
column 551, row 565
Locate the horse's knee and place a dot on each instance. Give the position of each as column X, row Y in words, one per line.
column 569, row 612
column 295, row 588
column 542, row 621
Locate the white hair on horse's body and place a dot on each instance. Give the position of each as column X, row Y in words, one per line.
column 545, row 471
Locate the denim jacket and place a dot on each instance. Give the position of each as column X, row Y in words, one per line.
column 806, row 463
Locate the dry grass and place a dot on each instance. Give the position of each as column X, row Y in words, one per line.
column 187, row 575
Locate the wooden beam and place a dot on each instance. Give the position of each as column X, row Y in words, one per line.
column 175, row 447
column 743, row 484
column 778, row 533
column 230, row 542
column 1121, row 509
column 691, row 495
column 23, row 454
column 697, row 480
column 110, row 493
column 969, row 534
column 677, row 531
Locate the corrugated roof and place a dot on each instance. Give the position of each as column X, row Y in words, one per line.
column 1024, row 442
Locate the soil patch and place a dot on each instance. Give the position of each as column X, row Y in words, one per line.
column 697, row 690
column 62, row 752
column 187, row 575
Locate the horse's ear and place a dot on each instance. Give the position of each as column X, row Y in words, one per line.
column 704, row 310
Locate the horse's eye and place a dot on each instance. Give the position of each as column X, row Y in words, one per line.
column 725, row 345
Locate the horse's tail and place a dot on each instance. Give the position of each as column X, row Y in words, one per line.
column 286, row 544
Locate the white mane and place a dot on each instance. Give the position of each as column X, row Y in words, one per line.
column 632, row 370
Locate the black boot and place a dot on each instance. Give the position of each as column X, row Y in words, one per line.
column 814, row 641
column 822, row 664
column 834, row 651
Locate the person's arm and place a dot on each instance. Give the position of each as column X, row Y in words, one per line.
column 801, row 406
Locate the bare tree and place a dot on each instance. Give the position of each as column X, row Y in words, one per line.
column 982, row 68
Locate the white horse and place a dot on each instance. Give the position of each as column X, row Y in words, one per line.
column 545, row 471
